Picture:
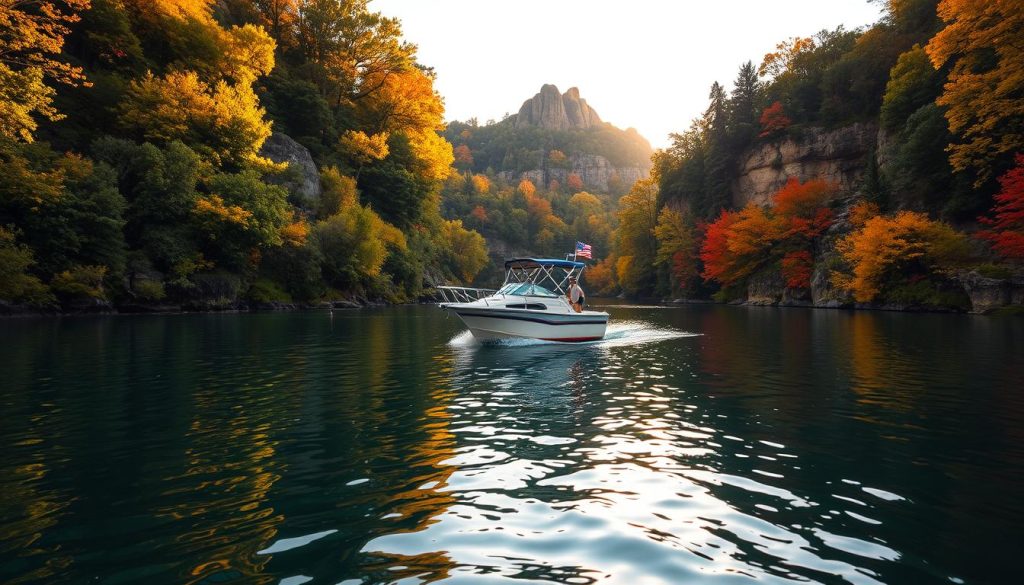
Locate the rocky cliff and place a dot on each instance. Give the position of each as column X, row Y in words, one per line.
column 838, row 155
column 841, row 156
column 555, row 111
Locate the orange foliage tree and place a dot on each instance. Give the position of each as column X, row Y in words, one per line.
column 574, row 182
column 1006, row 231
column 983, row 46
column 891, row 249
column 463, row 157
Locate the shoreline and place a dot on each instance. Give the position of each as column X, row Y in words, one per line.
column 18, row 311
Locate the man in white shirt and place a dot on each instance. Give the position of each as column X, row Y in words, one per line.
column 576, row 296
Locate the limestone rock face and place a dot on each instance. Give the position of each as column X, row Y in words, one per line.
column 989, row 294
column 596, row 172
column 555, row 111
column 302, row 179
column 833, row 155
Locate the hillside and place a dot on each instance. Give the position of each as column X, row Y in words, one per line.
column 204, row 154
column 542, row 179
column 552, row 136
column 875, row 167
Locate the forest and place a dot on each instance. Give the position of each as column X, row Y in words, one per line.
column 132, row 170
column 941, row 197
column 136, row 168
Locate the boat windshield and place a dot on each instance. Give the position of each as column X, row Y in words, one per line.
column 525, row 289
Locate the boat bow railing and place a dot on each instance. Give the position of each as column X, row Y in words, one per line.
column 463, row 294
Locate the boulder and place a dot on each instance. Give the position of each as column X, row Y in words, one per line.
column 989, row 294
column 302, row 178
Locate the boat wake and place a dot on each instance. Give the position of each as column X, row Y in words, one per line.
column 618, row 334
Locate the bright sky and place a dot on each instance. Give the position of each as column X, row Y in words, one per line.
column 641, row 63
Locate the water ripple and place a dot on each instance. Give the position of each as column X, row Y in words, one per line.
column 692, row 444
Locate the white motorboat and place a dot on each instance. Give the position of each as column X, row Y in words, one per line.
column 532, row 304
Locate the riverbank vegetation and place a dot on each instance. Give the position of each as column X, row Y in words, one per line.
column 132, row 167
column 941, row 83
column 205, row 154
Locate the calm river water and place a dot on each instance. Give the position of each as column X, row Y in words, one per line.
column 707, row 444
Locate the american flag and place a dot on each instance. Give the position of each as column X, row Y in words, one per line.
column 583, row 250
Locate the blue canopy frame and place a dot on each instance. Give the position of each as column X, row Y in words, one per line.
column 543, row 271
column 535, row 262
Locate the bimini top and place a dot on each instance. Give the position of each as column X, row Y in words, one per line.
column 537, row 262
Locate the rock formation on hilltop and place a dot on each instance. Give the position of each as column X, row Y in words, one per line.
column 555, row 111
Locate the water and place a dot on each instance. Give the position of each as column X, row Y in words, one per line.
column 696, row 444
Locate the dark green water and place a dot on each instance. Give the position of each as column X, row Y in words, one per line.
column 381, row 446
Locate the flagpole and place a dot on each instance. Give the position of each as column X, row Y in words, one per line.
column 575, row 249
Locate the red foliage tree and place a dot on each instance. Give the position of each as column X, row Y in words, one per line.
column 574, row 182
column 797, row 267
column 773, row 119
column 714, row 252
column 479, row 214
column 1006, row 234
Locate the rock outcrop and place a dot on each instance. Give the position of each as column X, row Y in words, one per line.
column 837, row 155
column 596, row 172
column 555, row 111
column 301, row 179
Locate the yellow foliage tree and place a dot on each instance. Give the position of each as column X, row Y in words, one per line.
column 527, row 188
column 225, row 120
column 481, row 184
column 635, row 244
column 31, row 35
column 677, row 246
column 363, row 148
column 984, row 42
column 463, row 250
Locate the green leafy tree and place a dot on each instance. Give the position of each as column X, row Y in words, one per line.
column 913, row 83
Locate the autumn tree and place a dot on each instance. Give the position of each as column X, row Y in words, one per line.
column 32, row 35
column 279, row 17
column 983, row 46
column 888, row 250
column 464, row 251
column 786, row 57
column 353, row 246
column 224, row 121
column 1006, row 222
column 463, row 157
column 574, row 182
column 773, row 120
column 527, row 188
column 362, row 148
column 354, row 50
column 678, row 249
column 635, row 244
column 481, row 184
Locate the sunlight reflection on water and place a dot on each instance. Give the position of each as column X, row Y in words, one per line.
column 379, row 446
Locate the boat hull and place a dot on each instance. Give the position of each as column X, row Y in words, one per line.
column 490, row 324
